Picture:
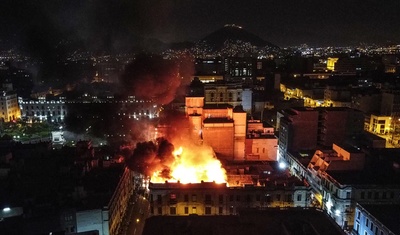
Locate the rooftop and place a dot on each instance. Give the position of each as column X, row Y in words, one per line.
column 388, row 215
column 250, row 222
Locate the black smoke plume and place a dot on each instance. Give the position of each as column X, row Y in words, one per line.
column 150, row 156
column 150, row 77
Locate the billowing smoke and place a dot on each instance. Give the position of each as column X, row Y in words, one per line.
column 154, row 78
column 150, row 156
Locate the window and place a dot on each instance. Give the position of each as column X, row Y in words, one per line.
column 376, row 195
column 220, row 210
column 362, row 195
column 194, row 210
column 172, row 210
column 208, row 198
column 231, row 198
column 278, row 197
column 348, row 195
column 299, row 197
column 358, row 215
column 367, row 222
column 194, row 198
column 238, row 198
column 221, row 198
column 369, row 195
column 159, row 200
column 384, row 195
column 186, row 198
column 372, row 226
column 151, row 210
column 159, row 210
column 186, row 210
column 208, row 210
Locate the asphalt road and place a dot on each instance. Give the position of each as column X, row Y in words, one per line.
column 138, row 211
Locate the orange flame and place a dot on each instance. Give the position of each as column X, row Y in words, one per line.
column 194, row 167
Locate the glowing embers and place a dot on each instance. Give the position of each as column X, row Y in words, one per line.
column 193, row 166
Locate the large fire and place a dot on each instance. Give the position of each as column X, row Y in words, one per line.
column 193, row 167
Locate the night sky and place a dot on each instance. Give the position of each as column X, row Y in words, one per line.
column 282, row 22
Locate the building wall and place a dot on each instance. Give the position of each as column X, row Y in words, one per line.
column 44, row 110
column 221, row 200
column 365, row 223
column 9, row 107
column 263, row 149
column 220, row 136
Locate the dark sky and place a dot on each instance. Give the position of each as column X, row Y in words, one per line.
column 282, row 22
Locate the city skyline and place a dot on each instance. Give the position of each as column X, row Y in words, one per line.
column 36, row 25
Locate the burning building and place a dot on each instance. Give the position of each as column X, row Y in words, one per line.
column 210, row 198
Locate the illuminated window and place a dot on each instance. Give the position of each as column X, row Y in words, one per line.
column 194, row 210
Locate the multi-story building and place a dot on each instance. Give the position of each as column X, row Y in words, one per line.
column 306, row 128
column 261, row 143
column 228, row 93
column 9, row 106
column 44, row 110
column 337, row 97
column 208, row 198
column 376, row 219
column 104, row 218
column 342, row 176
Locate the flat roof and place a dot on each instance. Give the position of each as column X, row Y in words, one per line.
column 217, row 106
column 218, row 120
column 388, row 215
column 250, row 222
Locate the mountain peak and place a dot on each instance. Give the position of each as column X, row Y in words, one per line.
column 233, row 33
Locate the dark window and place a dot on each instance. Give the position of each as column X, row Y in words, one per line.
column 194, row 198
column 221, row 198
column 376, row 195
column 248, row 198
column 208, row 198
column 186, row 210
column 278, row 197
column 220, row 210
column 231, row 198
column 159, row 199
column 172, row 210
column 298, row 197
column 348, row 195
column 186, row 198
column 159, row 210
column 237, row 198
column 369, row 195
column 208, row 210
column 362, row 195
column 151, row 210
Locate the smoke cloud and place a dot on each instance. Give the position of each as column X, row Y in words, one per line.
column 154, row 78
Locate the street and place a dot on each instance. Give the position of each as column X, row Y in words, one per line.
column 138, row 211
